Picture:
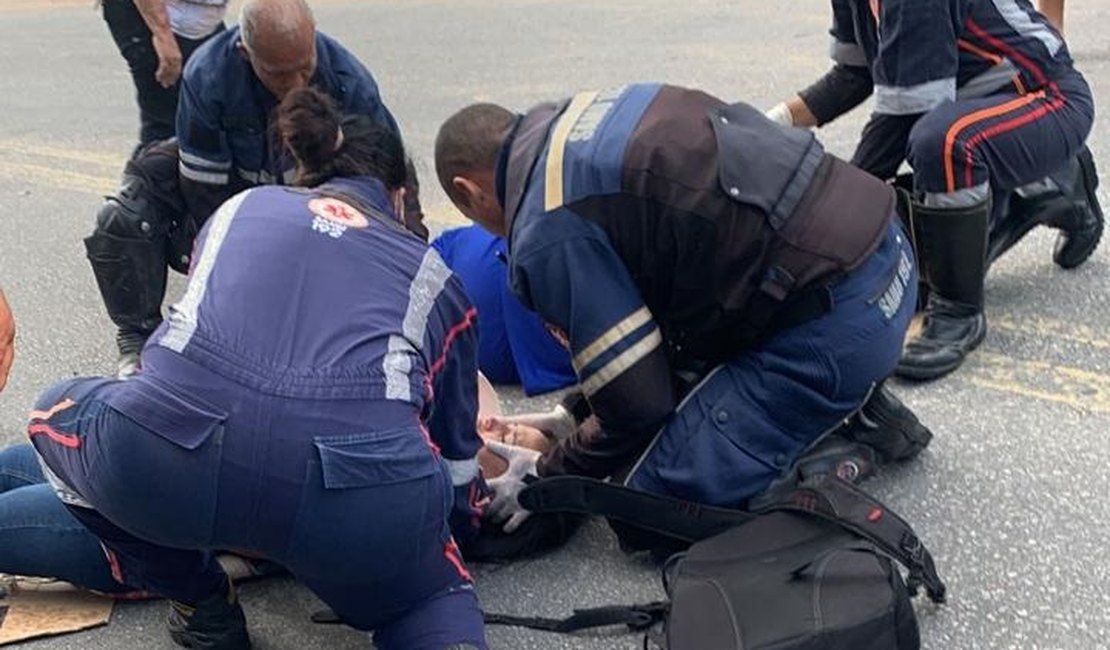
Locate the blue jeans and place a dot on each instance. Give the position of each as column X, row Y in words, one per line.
column 38, row 535
column 750, row 419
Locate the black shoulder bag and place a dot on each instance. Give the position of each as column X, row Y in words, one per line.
column 816, row 569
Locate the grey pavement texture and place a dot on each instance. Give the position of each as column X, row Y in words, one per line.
column 1011, row 497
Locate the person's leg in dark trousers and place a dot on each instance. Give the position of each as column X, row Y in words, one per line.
column 394, row 570
column 92, row 453
column 962, row 152
column 750, row 419
column 157, row 104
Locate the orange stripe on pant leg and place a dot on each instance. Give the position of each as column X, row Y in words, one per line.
column 971, row 118
column 57, row 408
column 1003, row 127
column 978, row 51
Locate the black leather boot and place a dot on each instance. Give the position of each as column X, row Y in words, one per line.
column 1081, row 227
column 888, row 426
column 1071, row 206
column 952, row 252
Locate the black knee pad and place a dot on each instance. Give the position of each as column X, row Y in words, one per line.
column 127, row 251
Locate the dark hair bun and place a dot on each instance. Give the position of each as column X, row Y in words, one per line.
column 309, row 124
column 308, row 121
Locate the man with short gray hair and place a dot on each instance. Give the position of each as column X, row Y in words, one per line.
column 225, row 144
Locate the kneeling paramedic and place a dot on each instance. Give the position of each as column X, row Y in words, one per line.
column 984, row 102
column 310, row 400
column 729, row 292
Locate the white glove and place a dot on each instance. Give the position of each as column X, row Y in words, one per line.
column 505, row 506
column 781, row 113
column 557, row 422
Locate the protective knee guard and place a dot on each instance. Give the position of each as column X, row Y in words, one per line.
column 127, row 251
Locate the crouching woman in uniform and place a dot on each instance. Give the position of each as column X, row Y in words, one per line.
column 310, row 400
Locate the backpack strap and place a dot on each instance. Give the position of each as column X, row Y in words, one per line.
column 682, row 520
column 842, row 503
column 636, row 617
column 827, row 497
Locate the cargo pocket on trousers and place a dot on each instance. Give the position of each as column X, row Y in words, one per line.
column 371, row 506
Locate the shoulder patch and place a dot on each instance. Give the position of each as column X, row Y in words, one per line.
column 333, row 217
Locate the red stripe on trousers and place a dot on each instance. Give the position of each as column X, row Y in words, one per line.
column 451, row 551
column 1004, row 127
column 63, row 439
column 1001, row 46
column 452, row 334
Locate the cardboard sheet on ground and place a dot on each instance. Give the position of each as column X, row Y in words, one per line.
column 31, row 614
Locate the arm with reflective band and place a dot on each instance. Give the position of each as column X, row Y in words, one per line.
column 451, row 423
column 202, row 143
column 581, row 285
column 918, row 58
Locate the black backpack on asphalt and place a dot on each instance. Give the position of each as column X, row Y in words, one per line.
column 816, row 569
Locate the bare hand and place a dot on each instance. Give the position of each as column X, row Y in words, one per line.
column 169, row 59
column 7, row 340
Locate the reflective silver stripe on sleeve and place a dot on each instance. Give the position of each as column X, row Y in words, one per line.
column 397, row 365
column 183, row 315
column 257, row 178
column 908, row 100
column 611, row 337
column 1021, row 22
column 212, row 178
column 621, row 363
column 204, row 163
column 462, row 471
column 847, row 53
column 425, row 288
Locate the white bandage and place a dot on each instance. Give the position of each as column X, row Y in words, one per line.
column 781, row 113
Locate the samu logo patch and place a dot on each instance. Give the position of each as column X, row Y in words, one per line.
column 333, row 217
column 891, row 299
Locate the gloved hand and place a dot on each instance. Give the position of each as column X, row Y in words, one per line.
column 505, row 506
column 781, row 113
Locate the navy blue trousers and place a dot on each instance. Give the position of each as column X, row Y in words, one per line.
column 749, row 419
column 1006, row 139
column 355, row 506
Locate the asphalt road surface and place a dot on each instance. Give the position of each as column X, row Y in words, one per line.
column 1011, row 497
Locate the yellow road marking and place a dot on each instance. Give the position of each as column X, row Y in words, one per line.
column 58, row 178
column 1075, row 387
column 1052, row 329
column 111, row 161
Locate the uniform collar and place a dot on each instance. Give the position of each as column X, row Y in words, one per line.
column 366, row 189
column 502, row 168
